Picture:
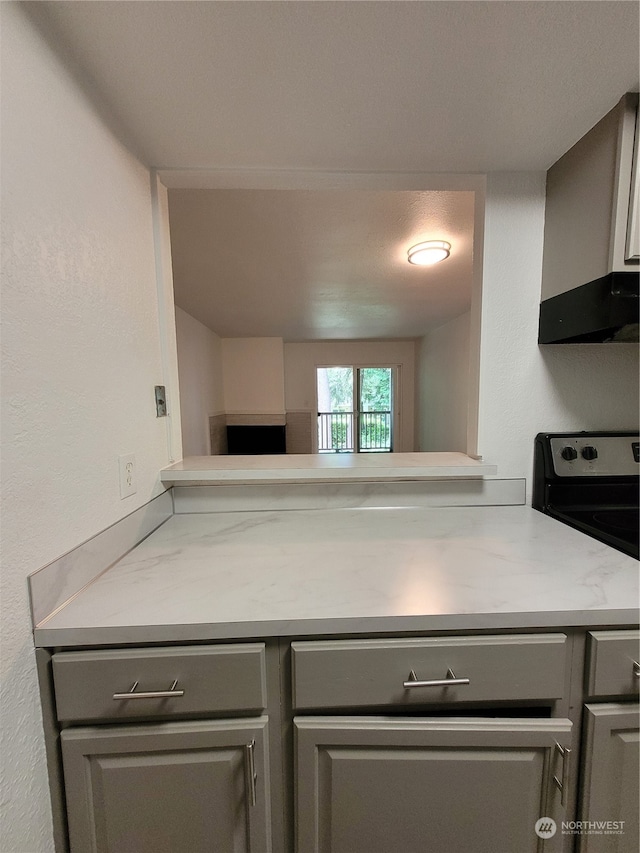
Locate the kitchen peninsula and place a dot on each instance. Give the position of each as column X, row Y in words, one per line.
column 296, row 679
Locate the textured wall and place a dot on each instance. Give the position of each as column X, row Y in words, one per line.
column 253, row 370
column 201, row 389
column 443, row 387
column 526, row 388
column 81, row 355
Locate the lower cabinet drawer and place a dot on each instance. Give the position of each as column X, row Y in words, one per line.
column 440, row 670
column 163, row 682
column 614, row 664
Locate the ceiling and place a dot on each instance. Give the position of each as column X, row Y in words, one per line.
column 240, row 94
column 319, row 264
column 430, row 86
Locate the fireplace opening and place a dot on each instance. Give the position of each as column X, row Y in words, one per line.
column 256, row 439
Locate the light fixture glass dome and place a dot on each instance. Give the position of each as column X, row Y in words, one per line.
column 429, row 253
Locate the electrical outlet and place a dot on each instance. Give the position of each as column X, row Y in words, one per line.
column 127, row 467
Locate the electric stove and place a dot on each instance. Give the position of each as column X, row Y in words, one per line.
column 591, row 481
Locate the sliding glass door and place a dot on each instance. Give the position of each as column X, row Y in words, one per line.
column 355, row 409
column 375, row 410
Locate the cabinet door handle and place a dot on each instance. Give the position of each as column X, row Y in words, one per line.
column 152, row 694
column 250, row 770
column 563, row 786
column 636, row 669
column 449, row 681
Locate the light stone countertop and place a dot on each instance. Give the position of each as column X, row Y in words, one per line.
column 311, row 572
column 324, row 467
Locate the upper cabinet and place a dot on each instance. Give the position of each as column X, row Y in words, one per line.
column 633, row 231
column 591, row 243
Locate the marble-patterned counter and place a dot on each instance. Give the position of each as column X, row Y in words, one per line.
column 310, row 572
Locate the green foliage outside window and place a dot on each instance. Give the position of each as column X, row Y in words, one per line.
column 375, row 389
column 341, row 388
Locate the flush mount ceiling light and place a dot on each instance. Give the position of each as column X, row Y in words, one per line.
column 429, row 253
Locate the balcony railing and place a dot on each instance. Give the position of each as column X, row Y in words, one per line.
column 337, row 432
column 375, row 431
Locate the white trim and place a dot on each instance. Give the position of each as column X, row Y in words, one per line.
column 475, row 323
column 166, row 315
column 292, row 179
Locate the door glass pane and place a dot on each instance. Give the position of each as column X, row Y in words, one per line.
column 335, row 409
column 375, row 406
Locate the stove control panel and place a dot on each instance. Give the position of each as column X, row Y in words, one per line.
column 591, row 455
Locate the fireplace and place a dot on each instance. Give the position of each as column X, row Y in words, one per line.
column 256, row 439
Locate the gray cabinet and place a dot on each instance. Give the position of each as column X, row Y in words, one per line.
column 633, row 229
column 167, row 682
column 503, row 668
column 180, row 762
column 416, row 782
column 611, row 746
column 200, row 787
column 375, row 785
column 281, row 745
column 588, row 203
column 611, row 788
column 614, row 668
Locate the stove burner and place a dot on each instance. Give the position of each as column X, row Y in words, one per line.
column 622, row 519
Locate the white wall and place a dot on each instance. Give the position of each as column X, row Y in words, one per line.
column 525, row 388
column 301, row 360
column 81, row 355
column 201, row 384
column 253, row 376
column 443, row 387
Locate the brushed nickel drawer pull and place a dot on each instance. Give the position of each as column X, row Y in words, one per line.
column 449, row 681
column 563, row 786
column 250, row 769
column 636, row 669
column 152, row 694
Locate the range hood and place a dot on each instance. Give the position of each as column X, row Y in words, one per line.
column 602, row 311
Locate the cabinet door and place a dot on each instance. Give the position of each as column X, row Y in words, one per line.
column 168, row 788
column 375, row 785
column 611, row 770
